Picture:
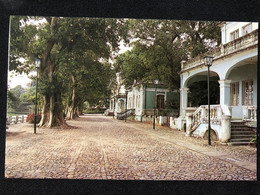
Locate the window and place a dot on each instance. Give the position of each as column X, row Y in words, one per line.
column 121, row 104
column 247, row 29
column 234, row 35
column 248, row 93
column 234, row 94
column 160, row 101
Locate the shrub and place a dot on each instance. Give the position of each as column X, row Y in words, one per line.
column 253, row 141
column 30, row 118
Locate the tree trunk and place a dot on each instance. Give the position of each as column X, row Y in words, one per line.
column 51, row 110
column 71, row 108
column 44, row 112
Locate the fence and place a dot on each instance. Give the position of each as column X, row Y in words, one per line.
column 16, row 119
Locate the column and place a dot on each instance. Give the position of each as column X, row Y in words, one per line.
column 183, row 100
column 188, row 124
column 225, row 133
column 224, row 92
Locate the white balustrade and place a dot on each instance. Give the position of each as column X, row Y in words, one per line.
column 219, row 115
column 201, row 115
column 19, row 119
column 250, row 113
column 16, row 119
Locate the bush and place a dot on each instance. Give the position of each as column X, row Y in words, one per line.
column 253, row 141
column 30, row 118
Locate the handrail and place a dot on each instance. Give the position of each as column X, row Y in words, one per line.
column 249, row 113
column 244, row 42
column 200, row 116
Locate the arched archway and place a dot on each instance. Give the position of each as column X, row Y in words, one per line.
column 213, row 135
column 198, row 91
column 243, row 87
column 240, row 64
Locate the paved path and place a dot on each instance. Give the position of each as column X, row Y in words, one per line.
column 105, row 148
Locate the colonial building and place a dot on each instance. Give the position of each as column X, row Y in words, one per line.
column 234, row 69
column 117, row 100
column 143, row 97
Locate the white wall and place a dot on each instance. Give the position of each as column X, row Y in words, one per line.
column 246, row 72
column 135, row 99
column 230, row 27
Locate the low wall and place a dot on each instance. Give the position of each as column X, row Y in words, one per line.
column 16, row 119
column 146, row 119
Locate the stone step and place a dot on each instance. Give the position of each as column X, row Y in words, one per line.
column 237, row 143
column 243, row 123
column 240, row 140
column 242, row 135
column 240, row 129
column 235, row 132
column 239, row 125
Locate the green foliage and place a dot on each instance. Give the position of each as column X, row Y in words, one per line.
column 199, row 93
column 73, row 52
column 253, row 140
column 161, row 45
column 12, row 101
column 21, row 99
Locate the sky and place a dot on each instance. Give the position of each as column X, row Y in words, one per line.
column 20, row 79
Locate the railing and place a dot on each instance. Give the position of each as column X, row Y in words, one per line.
column 149, row 112
column 239, row 44
column 200, row 116
column 250, row 113
column 160, row 112
column 122, row 115
column 16, row 119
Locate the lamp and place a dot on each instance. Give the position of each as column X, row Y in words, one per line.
column 156, row 82
column 208, row 62
column 37, row 65
column 126, row 92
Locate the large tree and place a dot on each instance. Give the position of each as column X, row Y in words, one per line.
column 160, row 47
column 67, row 47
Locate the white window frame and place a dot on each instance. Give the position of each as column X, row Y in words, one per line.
column 234, row 94
column 247, row 31
column 247, row 99
column 234, row 35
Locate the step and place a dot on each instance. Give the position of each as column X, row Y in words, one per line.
column 238, row 123
column 232, row 125
column 237, row 143
column 241, row 129
column 242, row 132
column 241, row 140
column 241, row 135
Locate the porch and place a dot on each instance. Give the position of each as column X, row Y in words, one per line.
column 233, row 89
column 195, row 121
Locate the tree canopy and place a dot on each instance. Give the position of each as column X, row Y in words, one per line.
column 160, row 47
column 74, row 55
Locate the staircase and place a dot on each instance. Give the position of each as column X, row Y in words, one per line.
column 240, row 133
column 121, row 115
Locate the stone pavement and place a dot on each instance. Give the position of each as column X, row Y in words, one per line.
column 105, row 148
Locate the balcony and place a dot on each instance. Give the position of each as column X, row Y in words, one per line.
column 242, row 43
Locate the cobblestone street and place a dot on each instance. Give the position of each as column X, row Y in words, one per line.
column 105, row 148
